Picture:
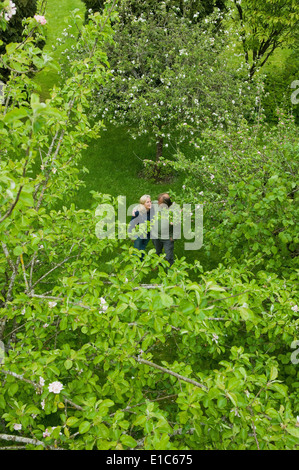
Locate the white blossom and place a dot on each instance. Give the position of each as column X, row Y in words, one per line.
column 104, row 305
column 215, row 338
column 17, row 427
column 55, row 387
column 9, row 11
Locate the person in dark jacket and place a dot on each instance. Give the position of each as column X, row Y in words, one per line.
column 141, row 217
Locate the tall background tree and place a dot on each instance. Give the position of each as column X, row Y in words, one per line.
column 170, row 78
column 264, row 27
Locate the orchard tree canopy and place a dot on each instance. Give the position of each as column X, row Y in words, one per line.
column 169, row 76
column 194, row 10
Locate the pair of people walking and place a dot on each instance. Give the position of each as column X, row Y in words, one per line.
column 153, row 224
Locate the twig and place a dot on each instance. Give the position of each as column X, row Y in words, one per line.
column 53, row 269
column 170, row 372
column 24, row 274
column 230, row 297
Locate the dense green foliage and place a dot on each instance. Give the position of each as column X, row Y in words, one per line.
column 263, row 27
column 135, row 355
column 14, row 28
column 248, row 185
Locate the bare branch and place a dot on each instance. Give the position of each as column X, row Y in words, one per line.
column 170, row 372
column 26, row 440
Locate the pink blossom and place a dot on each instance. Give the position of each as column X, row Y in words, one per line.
column 40, row 19
column 17, row 427
column 46, row 433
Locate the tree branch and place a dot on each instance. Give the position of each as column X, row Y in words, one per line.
column 170, row 372
column 26, row 440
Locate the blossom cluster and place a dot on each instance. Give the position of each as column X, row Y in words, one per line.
column 9, row 11
column 104, row 305
column 40, row 19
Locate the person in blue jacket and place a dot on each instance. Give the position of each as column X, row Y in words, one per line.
column 141, row 216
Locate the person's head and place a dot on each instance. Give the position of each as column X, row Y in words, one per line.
column 144, row 205
column 164, row 198
column 146, row 201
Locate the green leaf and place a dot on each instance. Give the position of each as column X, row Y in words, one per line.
column 273, row 373
column 68, row 364
column 293, row 431
column 215, row 288
column 71, row 421
column 158, row 324
column 140, row 421
column 18, row 250
column 102, row 431
column 166, row 300
column 233, row 398
column 31, row 409
column 128, row 441
column 187, row 307
column 246, row 314
column 15, row 115
column 84, row 427
column 281, row 389
column 2, row 402
column 26, row 198
column 63, row 323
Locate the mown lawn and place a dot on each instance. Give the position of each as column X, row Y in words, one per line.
column 57, row 15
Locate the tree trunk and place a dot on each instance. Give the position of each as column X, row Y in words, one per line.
column 159, row 149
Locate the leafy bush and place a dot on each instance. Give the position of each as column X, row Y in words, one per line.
column 247, row 181
column 157, row 171
column 15, row 28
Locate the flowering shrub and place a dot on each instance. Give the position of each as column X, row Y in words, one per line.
column 157, row 170
column 170, row 97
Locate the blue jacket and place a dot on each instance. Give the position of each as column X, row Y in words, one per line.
column 138, row 219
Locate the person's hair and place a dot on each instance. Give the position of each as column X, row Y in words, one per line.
column 164, row 197
column 140, row 207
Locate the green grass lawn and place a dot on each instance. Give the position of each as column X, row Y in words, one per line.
column 57, row 15
column 114, row 162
